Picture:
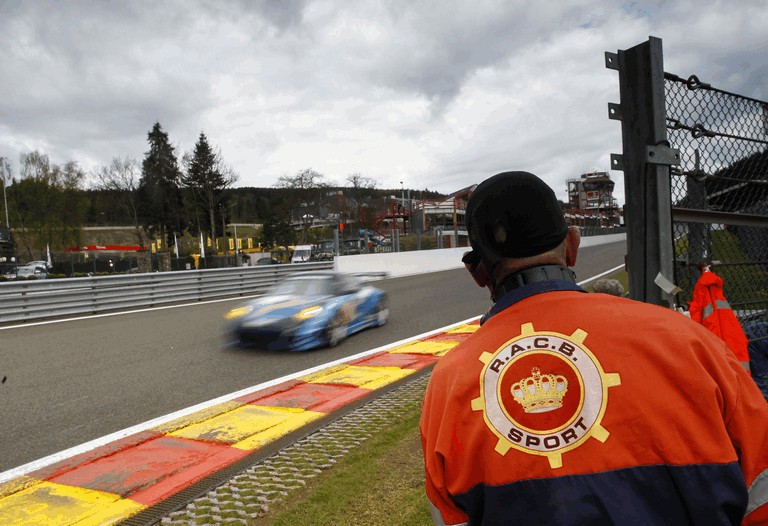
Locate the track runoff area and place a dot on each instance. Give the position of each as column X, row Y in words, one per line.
column 139, row 474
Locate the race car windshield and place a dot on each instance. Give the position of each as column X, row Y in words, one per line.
column 304, row 287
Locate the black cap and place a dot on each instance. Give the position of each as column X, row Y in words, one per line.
column 514, row 215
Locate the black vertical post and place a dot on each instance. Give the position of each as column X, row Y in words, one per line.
column 699, row 236
column 336, row 247
column 645, row 161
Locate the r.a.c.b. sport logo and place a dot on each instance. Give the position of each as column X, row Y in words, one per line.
column 544, row 393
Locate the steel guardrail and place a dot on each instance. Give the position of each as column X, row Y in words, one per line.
column 32, row 300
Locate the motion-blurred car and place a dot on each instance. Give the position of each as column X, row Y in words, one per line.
column 267, row 261
column 309, row 310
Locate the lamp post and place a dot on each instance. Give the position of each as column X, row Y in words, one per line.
column 402, row 205
column 306, row 221
column 3, row 165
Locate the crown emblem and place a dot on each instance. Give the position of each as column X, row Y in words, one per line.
column 540, row 393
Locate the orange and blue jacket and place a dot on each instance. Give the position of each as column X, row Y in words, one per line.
column 573, row 408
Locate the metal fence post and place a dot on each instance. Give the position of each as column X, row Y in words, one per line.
column 645, row 160
column 336, row 250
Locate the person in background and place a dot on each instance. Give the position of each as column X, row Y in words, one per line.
column 573, row 408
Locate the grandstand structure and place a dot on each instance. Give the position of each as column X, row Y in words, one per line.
column 591, row 201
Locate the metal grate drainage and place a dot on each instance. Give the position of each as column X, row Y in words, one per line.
column 249, row 494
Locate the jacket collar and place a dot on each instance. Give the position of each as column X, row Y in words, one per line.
column 529, row 289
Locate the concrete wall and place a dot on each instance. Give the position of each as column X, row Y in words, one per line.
column 421, row 261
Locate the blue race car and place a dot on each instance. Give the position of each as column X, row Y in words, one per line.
column 308, row 310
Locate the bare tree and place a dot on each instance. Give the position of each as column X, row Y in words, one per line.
column 360, row 193
column 308, row 187
column 122, row 176
column 306, row 181
column 50, row 208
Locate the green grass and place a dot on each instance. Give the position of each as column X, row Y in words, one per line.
column 380, row 483
column 743, row 283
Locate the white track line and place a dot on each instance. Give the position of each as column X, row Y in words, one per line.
column 593, row 278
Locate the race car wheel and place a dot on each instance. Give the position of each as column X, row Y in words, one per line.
column 335, row 331
column 382, row 312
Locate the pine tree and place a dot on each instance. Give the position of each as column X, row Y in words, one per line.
column 160, row 186
column 207, row 177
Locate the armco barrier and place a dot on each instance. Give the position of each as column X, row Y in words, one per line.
column 30, row 300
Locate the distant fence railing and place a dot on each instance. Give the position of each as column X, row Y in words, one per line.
column 31, row 300
column 588, row 231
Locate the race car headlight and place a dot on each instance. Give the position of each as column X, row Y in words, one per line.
column 239, row 312
column 309, row 312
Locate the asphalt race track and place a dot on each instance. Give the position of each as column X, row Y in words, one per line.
column 74, row 381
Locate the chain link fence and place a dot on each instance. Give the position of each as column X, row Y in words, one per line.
column 695, row 162
column 719, row 190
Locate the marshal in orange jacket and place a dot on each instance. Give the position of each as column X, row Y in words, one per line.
column 575, row 408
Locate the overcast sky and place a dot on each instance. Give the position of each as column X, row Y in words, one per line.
column 436, row 94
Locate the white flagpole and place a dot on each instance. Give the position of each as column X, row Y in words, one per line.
column 202, row 247
column 176, row 245
column 49, row 261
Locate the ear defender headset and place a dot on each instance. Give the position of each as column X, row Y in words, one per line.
column 510, row 215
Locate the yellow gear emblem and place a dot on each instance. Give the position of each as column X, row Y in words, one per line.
column 544, row 393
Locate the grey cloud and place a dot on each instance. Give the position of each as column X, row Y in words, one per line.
column 445, row 44
column 87, row 79
column 282, row 14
